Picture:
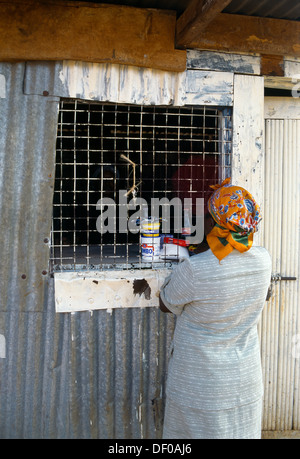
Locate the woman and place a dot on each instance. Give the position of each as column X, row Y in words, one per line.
column 214, row 387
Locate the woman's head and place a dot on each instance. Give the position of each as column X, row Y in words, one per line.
column 234, row 208
column 236, row 216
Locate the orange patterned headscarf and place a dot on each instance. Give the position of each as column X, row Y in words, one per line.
column 236, row 215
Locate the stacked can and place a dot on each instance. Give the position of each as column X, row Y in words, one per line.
column 150, row 239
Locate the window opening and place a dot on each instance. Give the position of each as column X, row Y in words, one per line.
column 146, row 152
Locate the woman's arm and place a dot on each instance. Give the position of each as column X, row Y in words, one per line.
column 178, row 289
column 162, row 306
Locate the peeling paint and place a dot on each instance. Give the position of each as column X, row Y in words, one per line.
column 225, row 62
column 113, row 82
column 254, row 38
column 114, row 289
column 258, row 143
column 209, row 88
column 141, row 286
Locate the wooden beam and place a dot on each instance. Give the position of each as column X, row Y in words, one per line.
column 40, row 30
column 249, row 34
column 288, row 84
column 196, row 18
column 272, row 65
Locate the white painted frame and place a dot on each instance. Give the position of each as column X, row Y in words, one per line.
column 248, row 138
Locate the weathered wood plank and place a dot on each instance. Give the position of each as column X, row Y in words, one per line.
column 291, row 67
column 275, row 82
column 283, row 107
column 224, row 62
column 89, row 32
column 248, row 143
column 105, row 82
column 198, row 15
column 249, row 34
column 94, row 290
column 209, row 88
column 272, row 65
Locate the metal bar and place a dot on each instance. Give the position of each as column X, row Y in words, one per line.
column 278, row 277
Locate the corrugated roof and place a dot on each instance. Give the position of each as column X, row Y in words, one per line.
column 280, row 9
column 284, row 9
column 176, row 5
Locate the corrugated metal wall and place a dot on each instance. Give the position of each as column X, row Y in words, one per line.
column 102, row 374
column 82, row 375
column 280, row 324
column 27, row 139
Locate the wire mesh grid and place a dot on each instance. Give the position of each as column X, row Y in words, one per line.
column 113, row 153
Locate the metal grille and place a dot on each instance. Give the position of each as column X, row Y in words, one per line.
column 148, row 151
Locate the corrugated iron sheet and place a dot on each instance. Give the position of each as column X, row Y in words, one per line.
column 28, row 131
column 175, row 5
column 102, row 374
column 81, row 375
column 284, row 9
column 280, row 333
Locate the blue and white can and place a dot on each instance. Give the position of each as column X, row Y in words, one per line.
column 150, row 248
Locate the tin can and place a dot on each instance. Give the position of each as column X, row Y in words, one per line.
column 150, row 248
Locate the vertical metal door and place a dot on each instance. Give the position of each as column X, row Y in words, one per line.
column 280, row 323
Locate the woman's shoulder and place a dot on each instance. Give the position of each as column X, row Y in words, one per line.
column 203, row 258
column 256, row 254
column 261, row 253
